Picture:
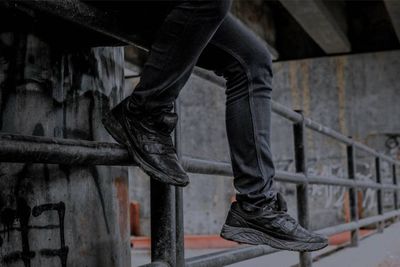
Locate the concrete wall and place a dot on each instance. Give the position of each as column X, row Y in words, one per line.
column 60, row 215
column 357, row 95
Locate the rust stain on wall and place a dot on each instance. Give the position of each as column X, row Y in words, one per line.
column 306, row 97
column 121, row 186
column 341, row 63
column 294, row 88
column 341, row 87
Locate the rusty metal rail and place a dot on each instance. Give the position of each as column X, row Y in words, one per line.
column 19, row 148
column 167, row 237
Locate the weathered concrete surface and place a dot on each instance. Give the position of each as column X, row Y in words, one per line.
column 258, row 16
column 316, row 18
column 59, row 215
column 393, row 8
column 356, row 95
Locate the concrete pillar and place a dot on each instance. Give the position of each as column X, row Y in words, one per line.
column 60, row 215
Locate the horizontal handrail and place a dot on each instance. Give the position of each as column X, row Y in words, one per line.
column 296, row 118
column 223, row 168
column 37, row 149
column 229, row 256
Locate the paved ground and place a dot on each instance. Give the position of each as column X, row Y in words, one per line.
column 378, row 250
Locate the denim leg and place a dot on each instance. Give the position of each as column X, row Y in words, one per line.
column 243, row 60
column 179, row 42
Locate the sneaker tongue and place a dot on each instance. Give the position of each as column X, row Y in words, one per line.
column 277, row 202
column 280, row 202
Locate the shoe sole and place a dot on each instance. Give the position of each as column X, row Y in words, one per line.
column 118, row 131
column 254, row 237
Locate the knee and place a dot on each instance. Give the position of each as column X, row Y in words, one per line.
column 255, row 66
column 253, row 70
column 221, row 8
column 259, row 62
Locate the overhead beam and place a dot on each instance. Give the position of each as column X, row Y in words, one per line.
column 320, row 23
column 393, row 8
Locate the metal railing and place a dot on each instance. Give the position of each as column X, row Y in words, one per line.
column 167, row 242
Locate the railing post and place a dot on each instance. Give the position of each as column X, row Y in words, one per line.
column 163, row 235
column 302, row 189
column 180, row 237
column 396, row 192
column 351, row 169
column 381, row 224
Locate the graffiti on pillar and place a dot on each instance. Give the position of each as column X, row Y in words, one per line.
column 392, row 144
column 18, row 219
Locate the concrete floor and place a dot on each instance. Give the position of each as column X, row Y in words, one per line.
column 378, row 250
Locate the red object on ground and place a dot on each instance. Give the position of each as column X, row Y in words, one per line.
column 191, row 242
column 134, row 213
column 342, row 238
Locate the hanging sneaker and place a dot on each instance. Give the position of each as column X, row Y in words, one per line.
column 148, row 139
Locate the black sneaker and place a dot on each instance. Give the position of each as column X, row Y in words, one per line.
column 148, row 139
column 271, row 226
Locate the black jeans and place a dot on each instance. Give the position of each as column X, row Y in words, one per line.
column 203, row 33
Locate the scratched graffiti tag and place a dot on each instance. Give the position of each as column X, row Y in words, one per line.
column 18, row 220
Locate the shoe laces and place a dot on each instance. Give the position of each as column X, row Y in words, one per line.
column 277, row 204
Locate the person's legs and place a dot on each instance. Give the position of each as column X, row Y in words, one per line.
column 144, row 121
column 243, row 60
column 179, row 42
column 259, row 216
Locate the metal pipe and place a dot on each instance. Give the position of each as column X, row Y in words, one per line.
column 295, row 117
column 396, row 192
column 361, row 223
column 222, row 168
column 180, row 237
column 35, row 149
column 379, row 199
column 229, row 256
column 302, row 189
column 156, row 264
column 286, row 112
column 203, row 166
column 163, row 234
column 353, row 198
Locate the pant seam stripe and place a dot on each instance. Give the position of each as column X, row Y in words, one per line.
column 250, row 94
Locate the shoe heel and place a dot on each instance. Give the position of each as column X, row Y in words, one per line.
column 241, row 235
column 115, row 129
